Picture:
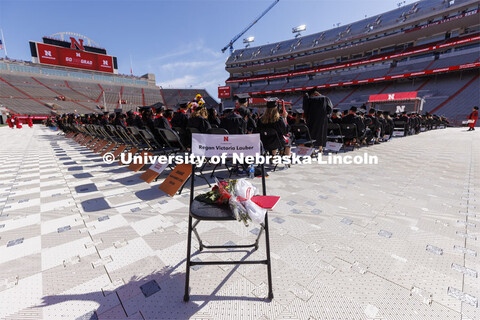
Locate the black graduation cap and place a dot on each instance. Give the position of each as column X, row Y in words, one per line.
column 336, row 110
column 353, row 109
column 242, row 100
column 157, row 105
column 298, row 111
column 183, row 104
column 227, row 110
column 271, row 104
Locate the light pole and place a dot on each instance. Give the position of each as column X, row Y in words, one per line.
column 298, row 30
column 248, row 40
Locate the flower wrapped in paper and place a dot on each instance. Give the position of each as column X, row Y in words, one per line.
column 237, row 193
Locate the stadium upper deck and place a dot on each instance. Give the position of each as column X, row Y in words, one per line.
column 431, row 46
column 413, row 24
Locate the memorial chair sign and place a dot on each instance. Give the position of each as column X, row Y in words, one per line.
column 225, row 145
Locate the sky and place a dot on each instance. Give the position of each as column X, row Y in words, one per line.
column 179, row 41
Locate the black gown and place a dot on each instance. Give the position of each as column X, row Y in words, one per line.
column 234, row 123
column 162, row 122
column 199, row 123
column 316, row 110
column 180, row 120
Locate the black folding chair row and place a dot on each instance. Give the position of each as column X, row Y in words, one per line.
column 342, row 133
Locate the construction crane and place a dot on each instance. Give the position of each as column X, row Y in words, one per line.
column 230, row 44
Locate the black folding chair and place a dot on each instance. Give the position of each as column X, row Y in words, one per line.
column 350, row 133
column 200, row 211
column 302, row 135
column 334, row 134
column 400, row 125
column 183, row 134
column 173, row 139
column 217, row 130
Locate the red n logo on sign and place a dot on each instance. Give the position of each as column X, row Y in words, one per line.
column 225, row 139
column 76, row 44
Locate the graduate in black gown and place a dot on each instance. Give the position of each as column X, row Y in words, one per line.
column 336, row 116
column 353, row 118
column 198, row 119
column 390, row 124
column 233, row 122
column 160, row 121
column 272, row 119
column 374, row 125
column 316, row 110
column 180, row 118
column 213, row 118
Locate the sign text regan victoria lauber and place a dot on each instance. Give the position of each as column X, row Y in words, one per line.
column 240, row 158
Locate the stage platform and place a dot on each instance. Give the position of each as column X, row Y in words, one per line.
column 81, row 239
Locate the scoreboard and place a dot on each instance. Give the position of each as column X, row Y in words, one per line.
column 74, row 57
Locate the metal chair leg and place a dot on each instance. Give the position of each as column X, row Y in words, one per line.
column 194, row 229
column 186, row 297
column 259, row 235
column 269, row 261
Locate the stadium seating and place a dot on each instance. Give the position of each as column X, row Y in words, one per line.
column 375, row 71
column 41, row 90
column 469, row 97
column 25, row 106
column 435, row 91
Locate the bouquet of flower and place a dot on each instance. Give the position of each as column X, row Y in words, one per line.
column 220, row 193
column 236, row 193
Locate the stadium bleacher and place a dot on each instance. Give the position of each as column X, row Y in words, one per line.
column 30, row 89
column 377, row 70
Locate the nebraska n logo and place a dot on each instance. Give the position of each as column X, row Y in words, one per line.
column 225, row 139
column 76, row 44
column 391, row 96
